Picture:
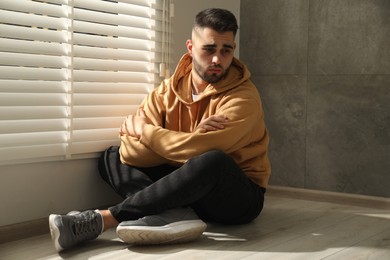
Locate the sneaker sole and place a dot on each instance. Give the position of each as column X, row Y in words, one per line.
column 54, row 232
column 178, row 232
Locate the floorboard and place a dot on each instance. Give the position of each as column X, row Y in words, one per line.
column 288, row 228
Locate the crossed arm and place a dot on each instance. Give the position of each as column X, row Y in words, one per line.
column 134, row 125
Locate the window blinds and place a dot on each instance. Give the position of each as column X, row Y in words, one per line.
column 71, row 70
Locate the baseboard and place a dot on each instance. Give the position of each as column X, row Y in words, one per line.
column 24, row 230
column 40, row 226
column 331, row 197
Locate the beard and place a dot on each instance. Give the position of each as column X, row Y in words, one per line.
column 207, row 76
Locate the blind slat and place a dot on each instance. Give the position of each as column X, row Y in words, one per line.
column 107, row 99
column 111, row 42
column 111, row 76
column 33, row 99
column 32, row 20
column 26, row 112
column 110, row 87
column 97, row 122
column 33, row 47
column 104, row 111
column 35, row 7
column 110, row 53
column 32, row 34
column 31, row 60
column 94, row 134
column 32, row 86
column 117, row 8
column 111, row 30
column 113, row 19
column 113, row 65
column 91, row 147
column 23, row 126
column 25, row 139
column 18, row 73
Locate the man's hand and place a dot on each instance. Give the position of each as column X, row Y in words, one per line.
column 134, row 125
column 212, row 123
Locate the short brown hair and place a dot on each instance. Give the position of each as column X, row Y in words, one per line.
column 220, row 20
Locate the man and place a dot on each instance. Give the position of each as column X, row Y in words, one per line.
column 195, row 151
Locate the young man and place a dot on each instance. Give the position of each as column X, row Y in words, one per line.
column 195, row 151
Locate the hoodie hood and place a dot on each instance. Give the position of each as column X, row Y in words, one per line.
column 238, row 73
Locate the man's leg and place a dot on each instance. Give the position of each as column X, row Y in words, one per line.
column 233, row 199
column 76, row 227
column 212, row 183
column 170, row 226
column 126, row 180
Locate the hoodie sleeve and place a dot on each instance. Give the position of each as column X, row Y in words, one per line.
column 245, row 125
column 132, row 151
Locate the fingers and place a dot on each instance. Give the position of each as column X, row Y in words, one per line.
column 123, row 127
column 126, row 128
column 211, row 128
column 216, row 122
column 142, row 112
column 219, row 118
column 133, row 126
column 143, row 115
column 213, row 123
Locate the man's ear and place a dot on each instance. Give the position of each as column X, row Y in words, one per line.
column 189, row 46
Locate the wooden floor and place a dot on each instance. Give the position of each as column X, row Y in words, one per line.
column 288, row 228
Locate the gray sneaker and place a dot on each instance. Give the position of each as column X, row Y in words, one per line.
column 172, row 226
column 69, row 230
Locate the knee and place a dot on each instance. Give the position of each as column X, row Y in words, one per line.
column 208, row 163
column 216, row 160
column 215, row 155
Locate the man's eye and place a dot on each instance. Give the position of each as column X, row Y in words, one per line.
column 226, row 51
column 209, row 50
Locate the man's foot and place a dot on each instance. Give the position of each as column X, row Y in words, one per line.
column 69, row 230
column 172, row 226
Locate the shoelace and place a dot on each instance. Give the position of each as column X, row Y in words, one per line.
column 85, row 227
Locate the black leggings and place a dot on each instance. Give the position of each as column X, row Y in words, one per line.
column 211, row 183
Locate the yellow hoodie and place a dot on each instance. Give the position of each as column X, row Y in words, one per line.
column 172, row 138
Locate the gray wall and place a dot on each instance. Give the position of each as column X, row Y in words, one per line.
column 323, row 69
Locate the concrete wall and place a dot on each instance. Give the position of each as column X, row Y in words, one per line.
column 33, row 191
column 323, row 69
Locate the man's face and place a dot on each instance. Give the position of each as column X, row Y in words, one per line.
column 212, row 53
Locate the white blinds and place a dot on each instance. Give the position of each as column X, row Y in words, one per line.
column 70, row 71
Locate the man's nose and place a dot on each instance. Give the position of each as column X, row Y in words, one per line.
column 216, row 59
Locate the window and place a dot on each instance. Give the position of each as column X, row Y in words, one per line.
column 71, row 70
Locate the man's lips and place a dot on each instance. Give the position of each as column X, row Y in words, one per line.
column 215, row 70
